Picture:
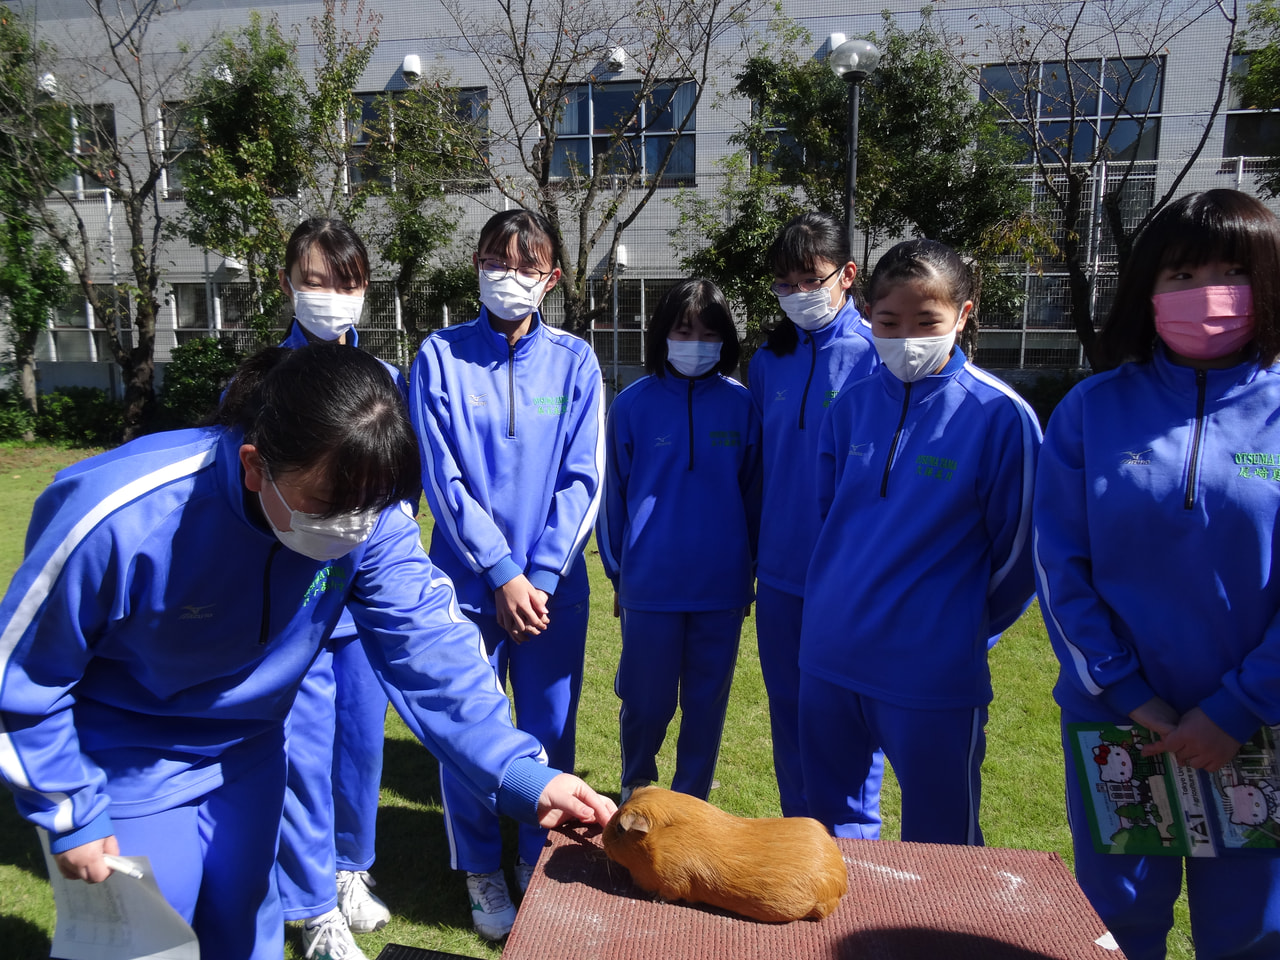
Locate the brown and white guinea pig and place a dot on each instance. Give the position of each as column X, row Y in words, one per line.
column 774, row 869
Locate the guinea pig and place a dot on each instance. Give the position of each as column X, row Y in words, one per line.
column 681, row 848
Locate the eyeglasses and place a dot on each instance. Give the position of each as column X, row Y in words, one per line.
column 527, row 277
column 781, row 289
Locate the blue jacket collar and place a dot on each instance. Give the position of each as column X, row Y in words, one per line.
column 499, row 340
column 298, row 337
column 921, row 390
column 847, row 318
column 1182, row 379
column 230, row 478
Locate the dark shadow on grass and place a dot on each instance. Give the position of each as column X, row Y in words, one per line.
column 23, row 940
column 410, row 770
column 19, row 845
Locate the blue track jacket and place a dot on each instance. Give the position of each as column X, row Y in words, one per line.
column 1156, row 541
column 298, row 338
column 678, row 524
column 925, row 551
column 791, row 395
column 512, row 442
column 155, row 632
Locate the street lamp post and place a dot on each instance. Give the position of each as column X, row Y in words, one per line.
column 853, row 61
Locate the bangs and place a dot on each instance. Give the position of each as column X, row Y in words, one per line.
column 349, row 264
column 375, row 467
column 1197, row 244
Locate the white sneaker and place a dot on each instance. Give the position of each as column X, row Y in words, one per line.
column 492, row 912
column 524, row 873
column 365, row 913
column 327, row 937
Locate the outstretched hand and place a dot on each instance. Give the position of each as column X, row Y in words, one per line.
column 568, row 798
column 85, row 861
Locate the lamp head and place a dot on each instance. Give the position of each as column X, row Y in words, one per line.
column 854, row 60
column 411, row 68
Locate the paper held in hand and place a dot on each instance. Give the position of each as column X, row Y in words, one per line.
column 122, row 918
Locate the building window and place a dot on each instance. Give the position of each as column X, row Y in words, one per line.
column 176, row 142
column 1074, row 108
column 651, row 126
column 93, row 143
column 1253, row 130
column 471, row 108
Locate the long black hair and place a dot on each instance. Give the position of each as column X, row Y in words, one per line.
column 327, row 407
column 338, row 243
column 696, row 297
column 806, row 240
column 1216, row 225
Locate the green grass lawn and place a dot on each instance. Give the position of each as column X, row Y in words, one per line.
column 1022, row 776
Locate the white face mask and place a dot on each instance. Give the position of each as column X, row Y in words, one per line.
column 693, row 358
column 809, row 310
column 507, row 299
column 326, row 315
column 321, row 538
column 914, row 358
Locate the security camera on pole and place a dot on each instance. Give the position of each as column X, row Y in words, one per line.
column 853, row 60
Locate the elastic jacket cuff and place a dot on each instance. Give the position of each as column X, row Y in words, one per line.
column 504, row 571
column 545, row 580
column 1128, row 694
column 96, row 829
column 522, row 785
column 1231, row 715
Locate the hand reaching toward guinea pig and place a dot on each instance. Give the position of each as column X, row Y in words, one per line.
column 568, row 797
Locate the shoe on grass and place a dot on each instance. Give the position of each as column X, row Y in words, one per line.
column 365, row 913
column 492, row 912
column 328, row 937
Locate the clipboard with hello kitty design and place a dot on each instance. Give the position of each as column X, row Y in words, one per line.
column 1154, row 805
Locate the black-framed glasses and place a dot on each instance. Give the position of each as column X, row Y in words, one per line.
column 527, row 277
column 781, row 289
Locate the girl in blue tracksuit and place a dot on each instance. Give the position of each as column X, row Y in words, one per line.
column 925, row 482
column 822, row 344
column 1156, row 540
column 509, row 417
column 335, row 730
column 173, row 594
column 677, row 534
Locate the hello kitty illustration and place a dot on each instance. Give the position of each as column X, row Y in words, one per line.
column 1115, row 764
column 1251, row 804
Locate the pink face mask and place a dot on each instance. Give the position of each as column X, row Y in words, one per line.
column 1205, row 323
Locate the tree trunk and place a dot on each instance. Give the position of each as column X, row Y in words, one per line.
column 139, row 373
column 1079, row 286
column 25, row 354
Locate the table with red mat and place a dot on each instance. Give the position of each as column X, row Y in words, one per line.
column 906, row 901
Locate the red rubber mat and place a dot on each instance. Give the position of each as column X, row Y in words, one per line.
column 906, row 901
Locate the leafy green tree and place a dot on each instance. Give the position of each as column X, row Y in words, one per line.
column 1049, row 56
column 1258, row 84
column 271, row 148
column 931, row 161
column 32, row 281
column 543, row 58
column 422, row 144
column 114, row 155
column 268, row 149
column 247, row 157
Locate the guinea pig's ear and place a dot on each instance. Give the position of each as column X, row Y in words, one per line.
column 633, row 822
